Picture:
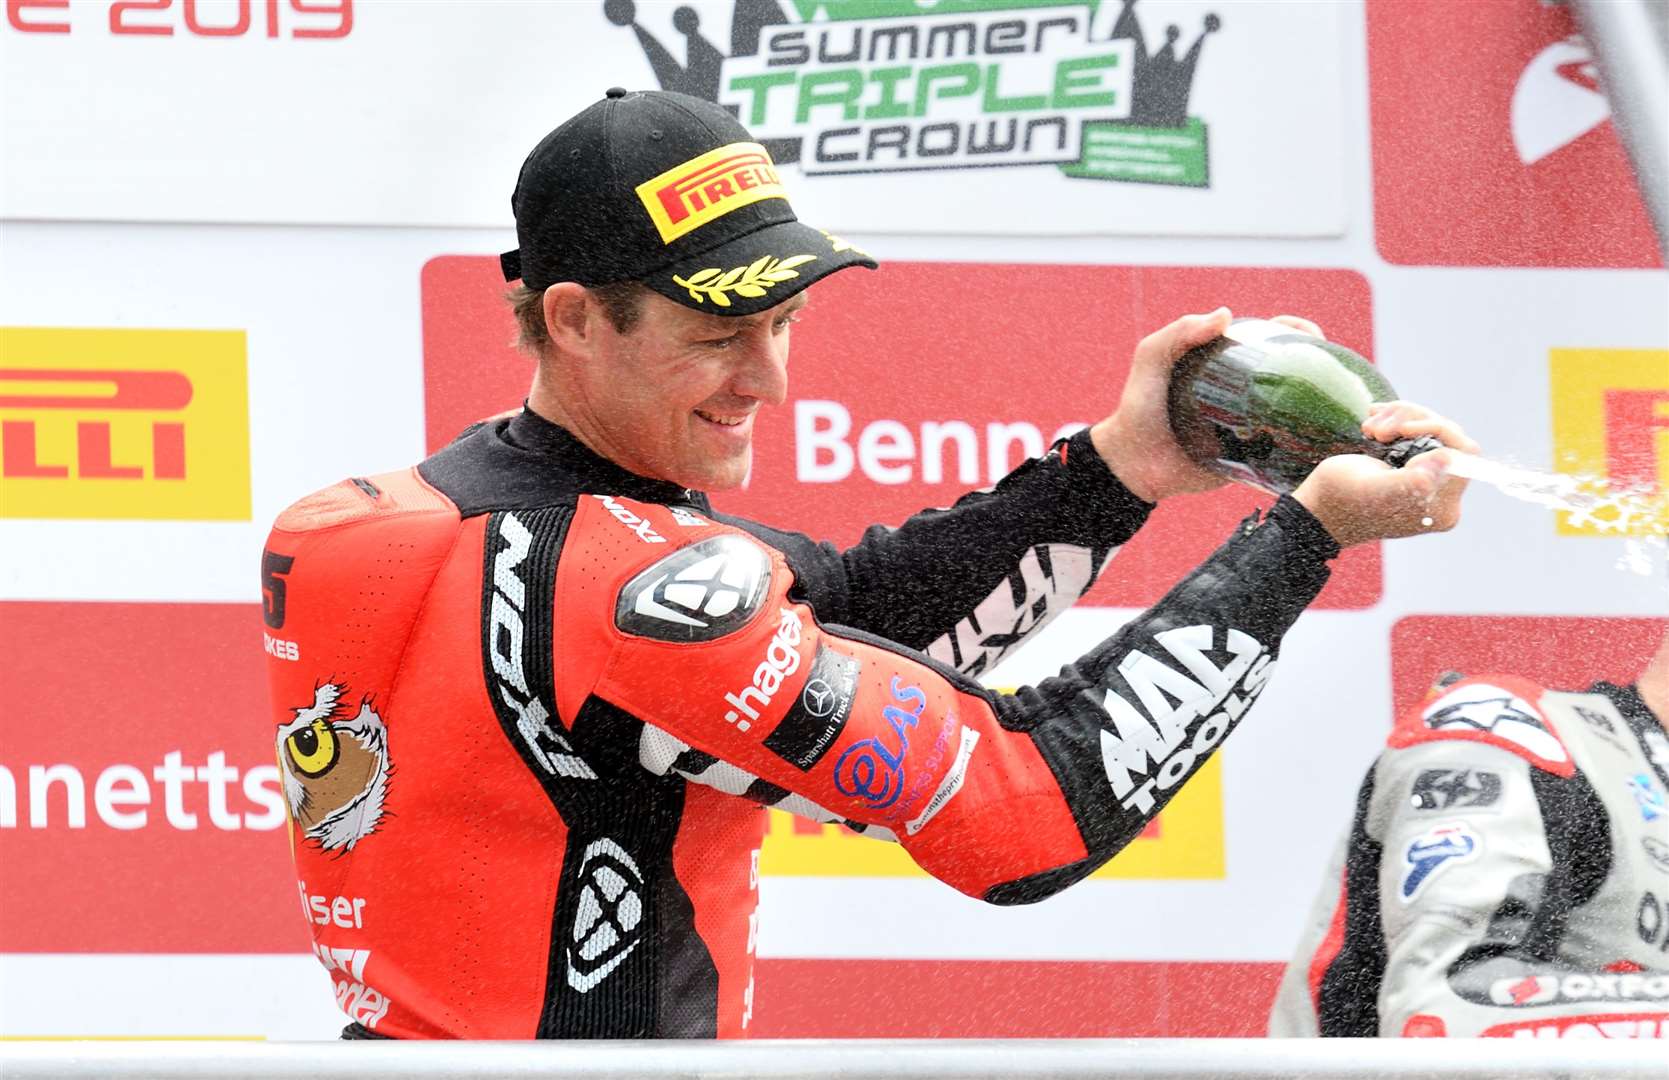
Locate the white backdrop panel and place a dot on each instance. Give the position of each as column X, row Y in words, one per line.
column 422, row 111
column 273, row 997
column 420, row 116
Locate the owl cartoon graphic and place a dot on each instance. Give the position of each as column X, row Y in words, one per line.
column 335, row 769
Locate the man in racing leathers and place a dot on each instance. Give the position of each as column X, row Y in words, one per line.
column 1507, row 873
column 534, row 691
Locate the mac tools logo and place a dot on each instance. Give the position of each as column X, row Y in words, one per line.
column 864, row 86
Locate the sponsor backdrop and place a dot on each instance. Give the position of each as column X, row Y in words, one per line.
column 196, row 328
column 1006, row 116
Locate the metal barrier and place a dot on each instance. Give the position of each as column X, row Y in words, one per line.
column 1630, row 39
column 880, row 1059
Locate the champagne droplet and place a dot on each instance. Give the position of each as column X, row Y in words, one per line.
column 1425, row 522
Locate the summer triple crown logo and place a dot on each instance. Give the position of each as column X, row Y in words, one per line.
column 135, row 424
column 1611, row 423
column 864, row 86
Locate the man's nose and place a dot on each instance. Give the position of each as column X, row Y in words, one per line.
column 763, row 373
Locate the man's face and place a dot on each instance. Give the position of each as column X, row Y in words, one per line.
column 676, row 396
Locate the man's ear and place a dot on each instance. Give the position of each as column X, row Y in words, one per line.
column 571, row 317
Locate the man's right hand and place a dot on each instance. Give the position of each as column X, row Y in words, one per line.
column 1358, row 498
column 1136, row 440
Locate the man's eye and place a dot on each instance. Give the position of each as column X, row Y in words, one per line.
column 785, row 322
column 720, row 343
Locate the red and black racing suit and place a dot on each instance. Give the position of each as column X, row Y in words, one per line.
column 530, row 707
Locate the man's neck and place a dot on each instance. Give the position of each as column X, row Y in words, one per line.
column 550, row 402
column 546, row 400
column 1654, row 685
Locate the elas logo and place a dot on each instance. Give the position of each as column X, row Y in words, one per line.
column 873, row 771
column 124, row 424
column 1611, row 423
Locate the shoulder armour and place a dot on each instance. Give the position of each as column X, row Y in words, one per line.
column 697, row 593
column 363, row 497
column 1501, row 710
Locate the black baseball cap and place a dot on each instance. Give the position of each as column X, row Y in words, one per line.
column 669, row 190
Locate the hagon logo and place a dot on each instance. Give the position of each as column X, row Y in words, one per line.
column 782, row 659
column 1611, row 425
column 149, row 424
column 684, row 198
column 862, row 86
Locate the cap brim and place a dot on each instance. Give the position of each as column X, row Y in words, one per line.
column 756, row 272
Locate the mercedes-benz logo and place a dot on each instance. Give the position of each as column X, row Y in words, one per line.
column 818, row 698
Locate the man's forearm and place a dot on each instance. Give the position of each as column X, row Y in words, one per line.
column 969, row 583
column 1126, row 725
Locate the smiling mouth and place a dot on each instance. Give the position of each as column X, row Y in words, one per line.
column 733, row 421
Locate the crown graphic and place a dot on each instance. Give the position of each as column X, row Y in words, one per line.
column 1161, row 81
column 698, row 74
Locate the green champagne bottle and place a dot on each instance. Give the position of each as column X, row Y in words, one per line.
column 1265, row 403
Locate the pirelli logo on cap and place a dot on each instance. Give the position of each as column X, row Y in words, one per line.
column 124, row 424
column 706, row 188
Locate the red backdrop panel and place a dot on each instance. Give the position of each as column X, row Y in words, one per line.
column 937, row 342
column 91, row 686
column 97, row 685
column 1559, row 652
column 1491, row 140
column 992, row 999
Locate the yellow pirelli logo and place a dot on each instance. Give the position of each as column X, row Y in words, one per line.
column 124, row 424
column 706, row 188
column 1184, row 841
column 1611, row 423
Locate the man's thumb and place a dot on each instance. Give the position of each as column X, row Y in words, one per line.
column 1199, row 329
column 1426, row 473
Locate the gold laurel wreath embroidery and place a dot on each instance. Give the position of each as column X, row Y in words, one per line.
column 838, row 244
column 749, row 281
